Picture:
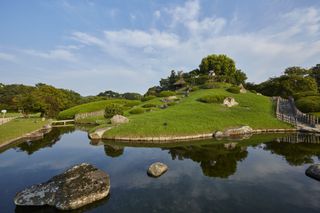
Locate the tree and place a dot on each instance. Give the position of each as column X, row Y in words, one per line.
column 239, row 77
column 110, row 94
column 131, row 96
column 168, row 83
column 315, row 73
column 296, row 71
column 223, row 67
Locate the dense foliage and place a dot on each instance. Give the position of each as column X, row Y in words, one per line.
column 113, row 109
column 127, row 95
column 234, row 89
column 294, row 80
column 212, row 99
column 40, row 98
column 212, row 69
column 309, row 104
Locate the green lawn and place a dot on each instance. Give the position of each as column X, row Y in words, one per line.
column 19, row 127
column 193, row 117
column 93, row 106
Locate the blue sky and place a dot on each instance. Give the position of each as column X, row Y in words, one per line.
column 90, row 46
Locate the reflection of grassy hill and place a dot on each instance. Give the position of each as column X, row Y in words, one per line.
column 193, row 117
column 92, row 107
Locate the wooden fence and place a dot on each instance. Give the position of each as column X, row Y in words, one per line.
column 295, row 116
column 281, row 116
column 88, row 114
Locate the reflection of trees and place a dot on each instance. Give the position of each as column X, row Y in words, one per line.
column 295, row 153
column 113, row 150
column 216, row 160
column 47, row 141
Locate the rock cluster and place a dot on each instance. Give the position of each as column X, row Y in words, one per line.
column 244, row 130
column 230, row 102
column 78, row 186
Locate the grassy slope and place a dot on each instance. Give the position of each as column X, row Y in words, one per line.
column 19, row 127
column 192, row 117
column 90, row 107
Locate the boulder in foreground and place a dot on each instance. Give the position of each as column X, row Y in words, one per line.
column 157, row 169
column 78, row 186
column 119, row 119
column 314, row 171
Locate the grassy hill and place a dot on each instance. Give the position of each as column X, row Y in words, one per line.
column 193, row 117
column 93, row 106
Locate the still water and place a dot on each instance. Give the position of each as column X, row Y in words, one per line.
column 260, row 174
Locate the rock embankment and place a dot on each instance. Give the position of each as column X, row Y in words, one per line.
column 78, row 186
column 244, row 130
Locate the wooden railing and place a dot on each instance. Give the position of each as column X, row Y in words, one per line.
column 295, row 117
column 281, row 116
column 88, row 114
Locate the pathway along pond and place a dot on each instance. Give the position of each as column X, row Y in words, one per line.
column 259, row 174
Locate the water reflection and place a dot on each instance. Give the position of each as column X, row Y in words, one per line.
column 113, row 150
column 216, row 160
column 48, row 140
column 297, row 149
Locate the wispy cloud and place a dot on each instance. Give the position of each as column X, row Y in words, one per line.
column 7, row 57
column 56, row 54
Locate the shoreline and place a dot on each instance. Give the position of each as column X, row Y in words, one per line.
column 32, row 135
column 170, row 139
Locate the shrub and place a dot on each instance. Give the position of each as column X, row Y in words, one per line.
column 149, row 105
column 194, row 88
column 309, row 104
column 113, row 109
column 234, row 89
column 171, row 103
column 167, row 93
column 132, row 103
column 148, row 98
column 305, row 94
column 137, row 110
column 212, row 99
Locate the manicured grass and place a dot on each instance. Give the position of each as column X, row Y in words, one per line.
column 93, row 106
column 19, row 127
column 193, row 117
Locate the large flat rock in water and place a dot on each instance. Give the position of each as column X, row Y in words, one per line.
column 78, row 186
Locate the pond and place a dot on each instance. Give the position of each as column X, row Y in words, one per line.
column 263, row 173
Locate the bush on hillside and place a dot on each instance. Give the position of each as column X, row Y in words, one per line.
column 137, row 110
column 148, row 98
column 309, row 104
column 195, row 88
column 149, row 105
column 113, row 109
column 167, row 93
column 299, row 95
column 212, row 99
column 234, row 89
column 171, row 103
column 130, row 104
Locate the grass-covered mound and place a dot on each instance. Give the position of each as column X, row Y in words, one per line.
column 95, row 106
column 19, row 127
column 190, row 116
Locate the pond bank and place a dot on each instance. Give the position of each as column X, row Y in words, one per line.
column 168, row 139
column 20, row 129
